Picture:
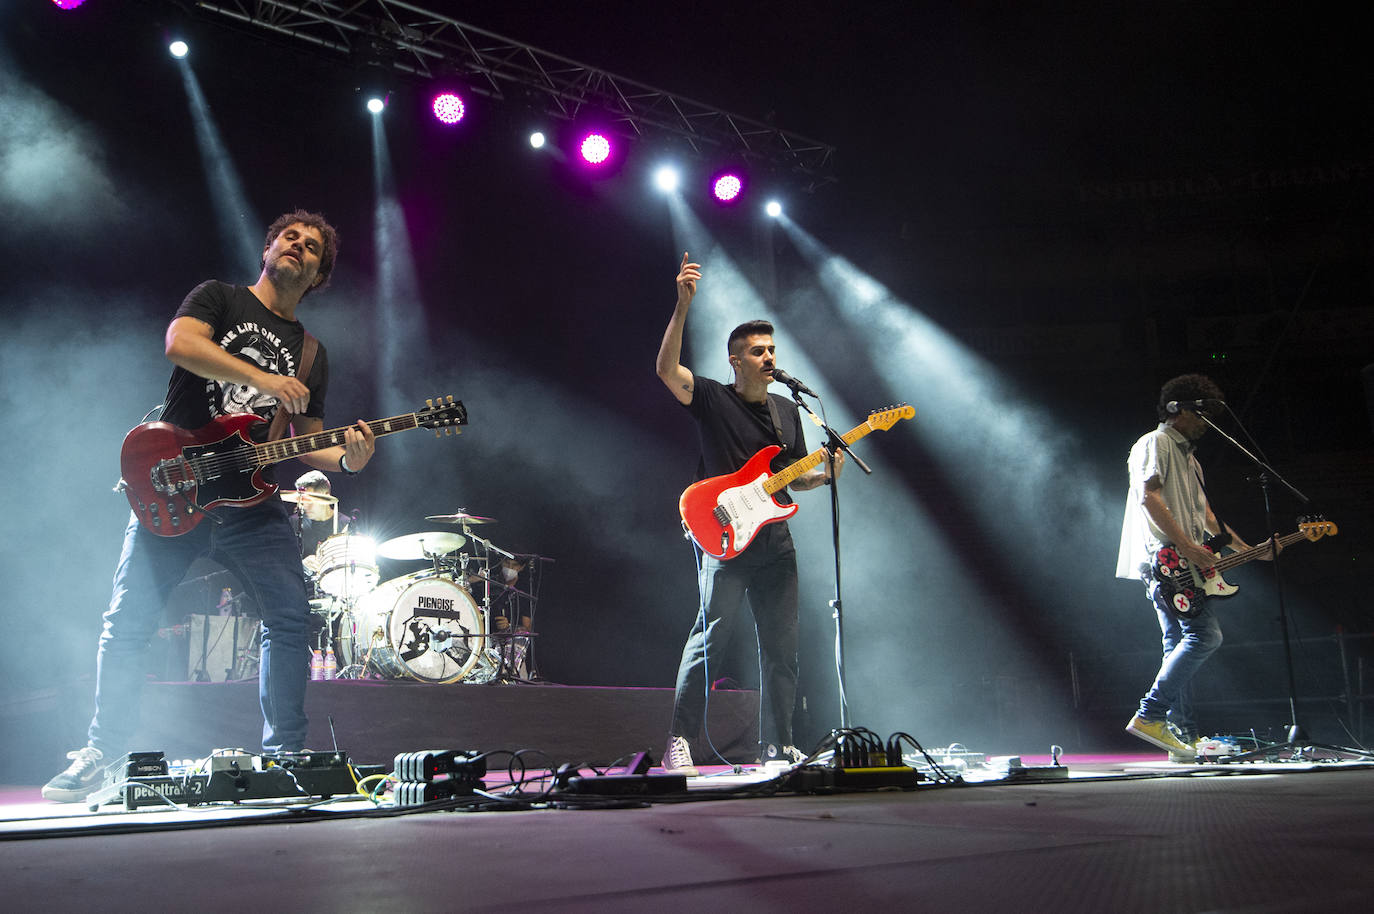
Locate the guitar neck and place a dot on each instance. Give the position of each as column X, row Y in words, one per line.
column 1245, row 555
column 789, row 475
column 270, row 452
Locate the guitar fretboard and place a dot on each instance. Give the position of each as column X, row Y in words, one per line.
column 286, row 448
column 786, row 476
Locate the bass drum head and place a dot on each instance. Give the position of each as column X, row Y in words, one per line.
column 419, row 627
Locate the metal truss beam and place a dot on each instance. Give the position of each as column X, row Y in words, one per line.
column 421, row 44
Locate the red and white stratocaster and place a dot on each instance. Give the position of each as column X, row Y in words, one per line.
column 173, row 476
column 724, row 513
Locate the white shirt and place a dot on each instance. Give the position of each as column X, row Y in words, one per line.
column 1167, row 454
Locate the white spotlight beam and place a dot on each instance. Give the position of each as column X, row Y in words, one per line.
column 1011, row 456
column 239, row 226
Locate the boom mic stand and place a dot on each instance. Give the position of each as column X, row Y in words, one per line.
column 835, row 441
column 1297, row 743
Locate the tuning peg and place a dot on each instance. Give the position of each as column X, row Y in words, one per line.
column 429, row 403
column 450, row 398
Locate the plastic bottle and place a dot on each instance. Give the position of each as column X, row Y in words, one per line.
column 316, row 665
column 331, row 666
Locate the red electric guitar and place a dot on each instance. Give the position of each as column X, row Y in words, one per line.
column 173, row 476
column 724, row 513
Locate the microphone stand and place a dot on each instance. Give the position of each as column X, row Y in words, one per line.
column 835, row 442
column 1297, row 742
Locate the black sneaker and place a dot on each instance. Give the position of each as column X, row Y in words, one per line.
column 80, row 779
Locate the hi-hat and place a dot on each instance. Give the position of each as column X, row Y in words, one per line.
column 461, row 517
column 414, row 546
column 309, row 498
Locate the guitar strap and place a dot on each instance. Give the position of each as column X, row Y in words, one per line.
column 777, row 424
column 281, row 420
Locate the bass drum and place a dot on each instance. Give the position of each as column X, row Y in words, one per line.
column 420, row 626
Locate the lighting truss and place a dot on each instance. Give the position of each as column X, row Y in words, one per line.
column 424, row 44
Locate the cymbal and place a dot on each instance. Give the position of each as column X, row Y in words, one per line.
column 414, row 546
column 460, row 518
column 309, row 498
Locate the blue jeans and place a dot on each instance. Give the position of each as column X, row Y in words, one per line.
column 1187, row 645
column 766, row 572
column 259, row 547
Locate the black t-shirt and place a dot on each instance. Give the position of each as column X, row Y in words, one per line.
column 242, row 326
column 732, row 430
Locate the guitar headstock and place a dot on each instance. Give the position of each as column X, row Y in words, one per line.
column 1315, row 527
column 884, row 419
column 442, row 416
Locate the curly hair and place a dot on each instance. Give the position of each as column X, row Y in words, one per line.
column 1186, row 387
column 327, row 232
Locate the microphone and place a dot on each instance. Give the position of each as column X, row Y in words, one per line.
column 1208, row 406
column 783, row 377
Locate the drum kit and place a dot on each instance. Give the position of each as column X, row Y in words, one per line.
column 437, row 624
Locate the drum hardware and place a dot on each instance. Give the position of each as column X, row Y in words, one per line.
column 418, row 546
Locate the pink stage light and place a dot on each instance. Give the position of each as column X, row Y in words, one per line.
column 727, row 188
column 595, row 149
column 449, row 108
column 67, row 4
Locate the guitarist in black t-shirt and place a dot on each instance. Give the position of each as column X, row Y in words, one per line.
column 734, row 423
column 235, row 349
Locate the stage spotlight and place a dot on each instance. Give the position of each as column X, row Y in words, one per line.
column 727, row 187
column 376, row 104
column 666, row 179
column 595, row 149
column 773, row 208
column 179, row 49
column 449, row 108
column 537, row 140
column 67, row 4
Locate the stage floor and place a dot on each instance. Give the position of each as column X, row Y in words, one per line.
column 1125, row 833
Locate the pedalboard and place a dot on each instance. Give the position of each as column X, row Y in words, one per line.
column 148, row 779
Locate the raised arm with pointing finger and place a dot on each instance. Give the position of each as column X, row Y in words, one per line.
column 669, row 366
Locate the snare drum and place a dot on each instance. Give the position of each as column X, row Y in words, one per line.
column 348, row 566
column 421, row 626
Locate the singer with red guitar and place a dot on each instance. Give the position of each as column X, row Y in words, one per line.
column 235, row 350
column 735, row 422
column 1167, row 514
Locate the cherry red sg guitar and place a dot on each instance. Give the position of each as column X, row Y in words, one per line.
column 173, row 476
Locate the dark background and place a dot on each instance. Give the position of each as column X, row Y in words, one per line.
column 1064, row 208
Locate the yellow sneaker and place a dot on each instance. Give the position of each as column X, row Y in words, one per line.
column 1157, row 733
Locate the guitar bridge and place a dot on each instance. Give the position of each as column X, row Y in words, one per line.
column 721, row 515
column 172, row 476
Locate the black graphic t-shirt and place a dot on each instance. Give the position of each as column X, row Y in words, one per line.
column 732, row 430
column 244, row 327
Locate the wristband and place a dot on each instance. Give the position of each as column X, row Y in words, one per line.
column 344, row 467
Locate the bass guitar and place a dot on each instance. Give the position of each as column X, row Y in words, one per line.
column 172, row 476
column 723, row 514
column 1187, row 588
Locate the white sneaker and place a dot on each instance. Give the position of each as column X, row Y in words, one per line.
column 677, row 758
column 81, row 778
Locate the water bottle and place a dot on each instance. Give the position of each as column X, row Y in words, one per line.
column 331, row 666
column 316, row 665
